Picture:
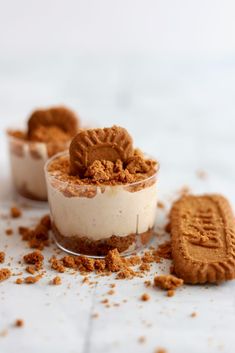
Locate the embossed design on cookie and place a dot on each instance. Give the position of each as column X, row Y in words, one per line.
column 203, row 230
column 108, row 144
column 61, row 117
column 203, row 239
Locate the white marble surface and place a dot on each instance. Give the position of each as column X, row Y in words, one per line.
column 182, row 111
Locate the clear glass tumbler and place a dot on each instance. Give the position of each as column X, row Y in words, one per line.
column 93, row 219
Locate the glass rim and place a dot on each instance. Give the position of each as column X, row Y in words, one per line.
column 77, row 186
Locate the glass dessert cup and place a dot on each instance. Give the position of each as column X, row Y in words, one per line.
column 27, row 160
column 93, row 219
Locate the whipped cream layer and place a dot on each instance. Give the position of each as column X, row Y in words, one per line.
column 116, row 211
column 28, row 171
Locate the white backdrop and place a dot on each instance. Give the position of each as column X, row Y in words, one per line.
column 111, row 26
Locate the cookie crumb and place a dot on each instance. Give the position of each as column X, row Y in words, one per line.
column 19, row 281
column 144, row 267
column 2, row 257
column 145, row 297
column 56, row 281
column 160, row 350
column 19, row 323
column 3, row 333
column 5, row 273
column 34, row 257
column 15, row 212
column 142, row 339
column 37, row 237
column 164, row 250
column 160, row 205
column 105, row 301
column 111, row 292
column 31, row 279
column 194, row 314
column 168, row 282
column 30, row 269
column 9, row 231
column 57, row 265
column 170, row 293
column 147, row 283
column 95, row 316
column 201, row 174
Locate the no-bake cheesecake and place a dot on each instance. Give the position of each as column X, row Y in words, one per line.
column 102, row 194
column 49, row 131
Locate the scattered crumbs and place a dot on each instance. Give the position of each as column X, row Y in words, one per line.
column 2, row 257
column 164, row 250
column 30, row 269
column 37, row 237
column 145, row 267
column 105, row 301
column 3, row 333
column 170, row 293
column 160, row 205
column 142, row 339
column 111, row 292
column 9, row 231
column 34, row 257
column 5, row 273
column 201, row 174
column 168, row 282
column 95, row 316
column 15, row 212
column 19, row 281
column 147, row 283
column 32, row 279
column 85, row 280
column 185, row 190
column 160, row 350
column 193, row 314
column 57, row 265
column 112, row 285
column 56, row 281
column 19, row 323
column 145, row 297
column 125, row 274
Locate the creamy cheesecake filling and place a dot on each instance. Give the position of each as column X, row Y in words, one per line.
column 28, row 170
column 115, row 211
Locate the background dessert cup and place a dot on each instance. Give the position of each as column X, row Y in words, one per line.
column 27, row 160
column 93, row 219
column 49, row 131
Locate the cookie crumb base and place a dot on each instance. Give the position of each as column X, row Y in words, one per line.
column 81, row 245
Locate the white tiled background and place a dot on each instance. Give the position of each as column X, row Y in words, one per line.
column 166, row 71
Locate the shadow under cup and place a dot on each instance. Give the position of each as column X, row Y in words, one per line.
column 94, row 219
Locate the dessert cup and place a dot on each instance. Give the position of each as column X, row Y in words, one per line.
column 93, row 219
column 27, row 160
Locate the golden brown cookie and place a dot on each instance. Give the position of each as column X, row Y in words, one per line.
column 108, row 144
column 60, row 117
column 203, row 239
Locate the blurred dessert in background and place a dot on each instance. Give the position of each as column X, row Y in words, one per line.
column 49, row 131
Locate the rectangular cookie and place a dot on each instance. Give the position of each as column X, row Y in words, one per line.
column 203, row 239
